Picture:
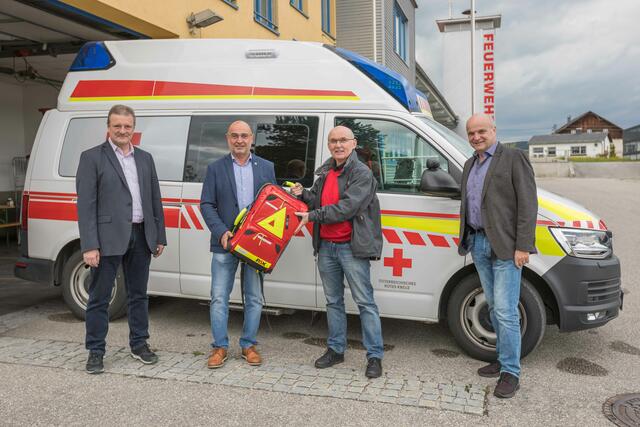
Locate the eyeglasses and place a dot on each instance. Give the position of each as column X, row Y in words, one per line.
column 239, row 135
column 341, row 141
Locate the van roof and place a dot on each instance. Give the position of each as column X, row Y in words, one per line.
column 223, row 74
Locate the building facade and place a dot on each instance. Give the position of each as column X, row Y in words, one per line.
column 566, row 146
column 631, row 138
column 591, row 122
column 381, row 30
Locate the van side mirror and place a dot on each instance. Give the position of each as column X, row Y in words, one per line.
column 436, row 182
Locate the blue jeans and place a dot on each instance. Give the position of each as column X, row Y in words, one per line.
column 500, row 281
column 335, row 262
column 135, row 266
column 223, row 272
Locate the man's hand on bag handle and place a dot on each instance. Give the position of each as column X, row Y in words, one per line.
column 224, row 240
column 296, row 190
column 304, row 219
column 91, row 257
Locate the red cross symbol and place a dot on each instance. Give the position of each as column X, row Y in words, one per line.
column 397, row 262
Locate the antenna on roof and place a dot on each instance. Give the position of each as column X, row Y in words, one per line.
column 450, row 9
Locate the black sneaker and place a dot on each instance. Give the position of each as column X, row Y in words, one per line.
column 328, row 359
column 94, row 363
column 374, row 368
column 507, row 386
column 144, row 354
column 492, row 370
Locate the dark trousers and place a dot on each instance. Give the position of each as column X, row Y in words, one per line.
column 135, row 265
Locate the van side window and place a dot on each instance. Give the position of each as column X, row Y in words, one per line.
column 395, row 154
column 288, row 141
column 164, row 137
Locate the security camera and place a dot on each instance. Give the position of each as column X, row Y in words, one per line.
column 203, row 19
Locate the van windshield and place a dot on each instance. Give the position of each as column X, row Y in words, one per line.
column 459, row 143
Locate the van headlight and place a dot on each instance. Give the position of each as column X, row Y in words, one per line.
column 583, row 243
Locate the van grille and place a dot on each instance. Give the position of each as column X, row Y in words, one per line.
column 603, row 291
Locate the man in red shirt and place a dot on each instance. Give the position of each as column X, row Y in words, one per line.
column 347, row 233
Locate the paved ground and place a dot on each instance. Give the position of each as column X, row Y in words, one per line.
column 564, row 382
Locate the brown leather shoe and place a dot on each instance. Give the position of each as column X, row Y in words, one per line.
column 251, row 355
column 217, row 358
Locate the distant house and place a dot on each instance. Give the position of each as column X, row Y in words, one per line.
column 568, row 145
column 631, row 138
column 591, row 122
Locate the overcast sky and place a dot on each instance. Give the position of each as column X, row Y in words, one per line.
column 554, row 58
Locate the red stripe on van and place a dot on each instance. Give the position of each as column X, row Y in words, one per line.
column 438, row 241
column 178, row 88
column 391, row 236
column 193, row 217
column 52, row 210
column 414, row 238
column 111, row 88
column 300, row 92
column 171, row 216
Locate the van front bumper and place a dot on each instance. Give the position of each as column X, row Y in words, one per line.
column 34, row 270
column 588, row 291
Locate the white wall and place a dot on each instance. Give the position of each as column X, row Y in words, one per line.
column 35, row 97
column 12, row 125
column 19, row 121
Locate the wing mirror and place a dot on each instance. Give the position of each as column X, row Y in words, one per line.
column 436, row 182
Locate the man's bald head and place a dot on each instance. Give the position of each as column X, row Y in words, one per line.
column 239, row 139
column 481, row 132
column 341, row 143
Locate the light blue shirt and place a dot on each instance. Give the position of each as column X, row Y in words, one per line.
column 128, row 164
column 244, row 182
column 475, row 184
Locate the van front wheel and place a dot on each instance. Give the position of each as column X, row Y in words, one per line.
column 76, row 277
column 469, row 321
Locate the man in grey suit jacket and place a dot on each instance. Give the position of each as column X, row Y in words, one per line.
column 121, row 222
column 497, row 226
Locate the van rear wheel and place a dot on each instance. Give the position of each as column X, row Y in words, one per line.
column 76, row 277
column 469, row 321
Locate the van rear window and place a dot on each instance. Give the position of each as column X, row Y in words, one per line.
column 164, row 137
column 288, row 141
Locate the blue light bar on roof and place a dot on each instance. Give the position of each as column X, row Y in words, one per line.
column 394, row 83
column 93, row 56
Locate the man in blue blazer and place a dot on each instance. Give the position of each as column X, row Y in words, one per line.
column 121, row 223
column 231, row 184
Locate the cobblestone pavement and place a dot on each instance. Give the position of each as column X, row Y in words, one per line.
column 285, row 378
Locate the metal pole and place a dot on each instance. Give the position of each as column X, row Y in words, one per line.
column 473, row 57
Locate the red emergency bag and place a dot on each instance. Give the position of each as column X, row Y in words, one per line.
column 263, row 230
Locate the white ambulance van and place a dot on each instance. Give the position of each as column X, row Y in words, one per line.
column 185, row 94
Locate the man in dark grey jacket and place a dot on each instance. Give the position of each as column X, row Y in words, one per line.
column 347, row 233
column 497, row 226
column 121, row 222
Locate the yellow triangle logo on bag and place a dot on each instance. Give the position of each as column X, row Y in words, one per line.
column 274, row 223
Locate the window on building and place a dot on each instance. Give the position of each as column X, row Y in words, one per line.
column 538, row 151
column 396, row 155
column 288, row 141
column 400, row 24
column 162, row 136
column 327, row 24
column 265, row 14
column 579, row 150
column 300, row 5
column 551, row 151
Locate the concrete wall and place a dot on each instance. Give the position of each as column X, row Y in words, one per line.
column 619, row 170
